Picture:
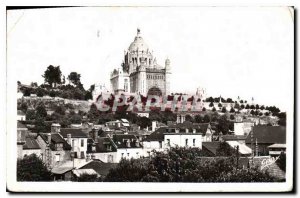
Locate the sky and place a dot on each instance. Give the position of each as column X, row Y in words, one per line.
column 229, row 51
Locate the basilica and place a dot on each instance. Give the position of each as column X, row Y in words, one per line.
column 140, row 73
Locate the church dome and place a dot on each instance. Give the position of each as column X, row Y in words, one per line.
column 138, row 43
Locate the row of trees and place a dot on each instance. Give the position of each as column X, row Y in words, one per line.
column 55, row 86
column 185, row 165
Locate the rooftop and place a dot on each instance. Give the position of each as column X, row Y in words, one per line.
column 75, row 133
column 268, row 134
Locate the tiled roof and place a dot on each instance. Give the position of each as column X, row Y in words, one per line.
column 21, row 113
column 277, row 146
column 268, row 134
column 100, row 167
column 31, row 143
column 211, row 146
column 55, row 139
column 101, row 145
column 89, row 171
column 234, row 137
column 75, row 133
column 200, row 127
column 243, row 149
column 20, row 125
column 121, row 141
column 157, row 135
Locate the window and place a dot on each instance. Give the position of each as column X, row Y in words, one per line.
column 82, row 154
column 194, row 142
column 122, row 155
column 82, row 143
column 57, row 157
column 160, row 144
column 168, row 142
column 137, row 154
column 186, row 142
column 127, row 154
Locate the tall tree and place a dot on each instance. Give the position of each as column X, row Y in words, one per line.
column 32, row 168
column 74, row 78
column 52, row 75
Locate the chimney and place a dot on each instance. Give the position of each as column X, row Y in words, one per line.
column 137, row 143
column 95, row 135
column 128, row 143
column 49, row 138
column 194, row 130
column 55, row 128
column 69, row 138
column 176, row 130
column 153, row 126
column 187, row 130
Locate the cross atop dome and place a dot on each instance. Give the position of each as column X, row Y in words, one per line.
column 138, row 31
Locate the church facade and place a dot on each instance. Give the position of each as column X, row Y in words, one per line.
column 140, row 73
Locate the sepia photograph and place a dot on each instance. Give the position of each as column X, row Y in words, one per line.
column 150, row 99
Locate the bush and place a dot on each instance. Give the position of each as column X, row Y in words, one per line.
column 32, row 168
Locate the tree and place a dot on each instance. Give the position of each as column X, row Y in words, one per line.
column 198, row 118
column 23, row 107
column 224, row 110
column 32, row 168
column 231, row 117
column 242, row 106
column 87, row 178
column 185, row 165
column 144, row 122
column 40, row 92
column 224, row 150
column 88, row 96
column 30, row 114
column 281, row 162
column 219, row 105
column 229, row 100
column 262, row 107
column 189, row 118
column 52, row 75
column 256, row 106
column 74, row 78
column 213, row 109
column 211, row 104
column 41, row 111
column 232, row 110
column 203, row 109
column 252, row 112
column 223, row 125
column 247, row 106
column 206, row 119
column 267, row 113
column 93, row 113
column 282, row 119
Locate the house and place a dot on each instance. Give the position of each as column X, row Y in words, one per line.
column 99, row 167
column 243, row 127
column 64, row 170
column 265, row 136
column 21, row 138
column 31, row 146
column 184, row 134
column 239, row 138
column 102, row 148
column 21, row 116
column 128, row 146
column 243, row 149
column 77, row 139
column 276, row 149
column 54, row 148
